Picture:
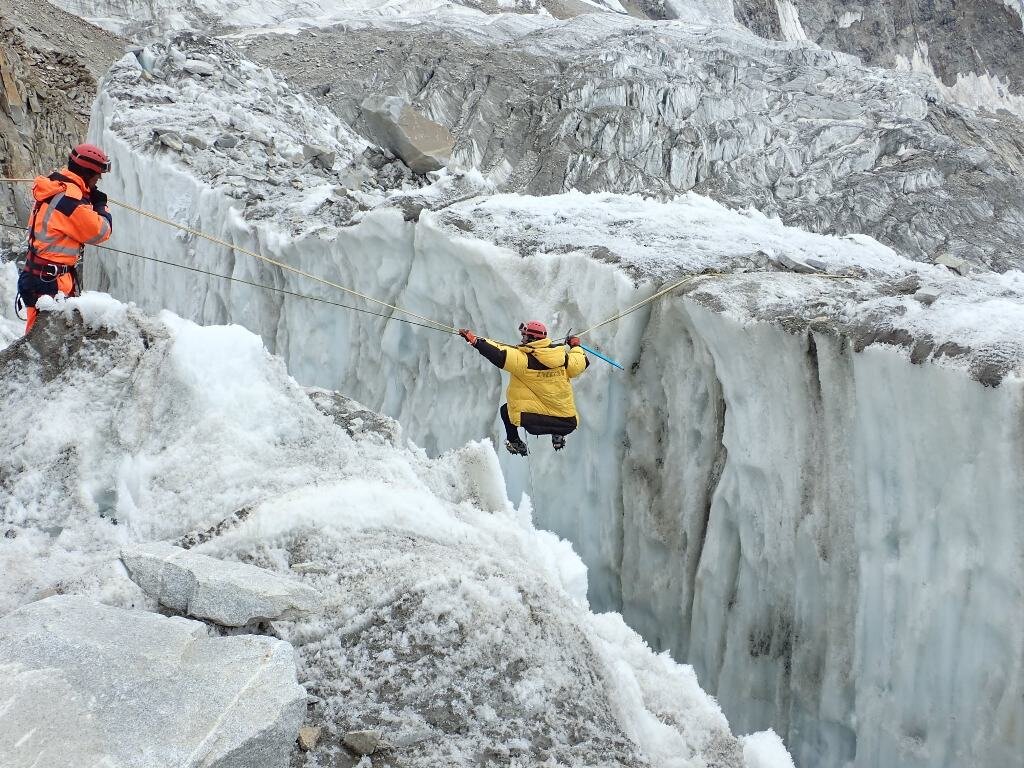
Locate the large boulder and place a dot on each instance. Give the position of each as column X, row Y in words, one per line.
column 228, row 593
column 422, row 144
column 89, row 684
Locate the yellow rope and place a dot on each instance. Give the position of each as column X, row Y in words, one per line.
column 687, row 279
column 267, row 259
column 447, row 328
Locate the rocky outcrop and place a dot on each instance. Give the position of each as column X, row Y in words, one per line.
column 50, row 62
column 394, row 124
column 89, row 684
column 982, row 38
column 228, row 593
column 798, row 132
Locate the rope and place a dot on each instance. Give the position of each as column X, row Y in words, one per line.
column 247, row 282
column 687, row 279
column 433, row 323
column 648, row 300
column 267, row 259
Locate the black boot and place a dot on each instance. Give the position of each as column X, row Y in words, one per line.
column 516, row 447
column 558, row 442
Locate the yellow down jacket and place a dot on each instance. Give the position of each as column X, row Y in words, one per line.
column 540, row 375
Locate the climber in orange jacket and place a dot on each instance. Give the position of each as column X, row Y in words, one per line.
column 540, row 395
column 69, row 213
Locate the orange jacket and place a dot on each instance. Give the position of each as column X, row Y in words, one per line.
column 64, row 220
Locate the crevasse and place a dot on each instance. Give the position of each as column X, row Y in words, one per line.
column 833, row 539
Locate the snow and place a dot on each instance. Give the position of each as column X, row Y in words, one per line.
column 669, row 550
column 789, row 20
column 1018, row 6
column 519, row 257
column 986, row 91
column 152, row 18
column 765, row 750
column 432, row 581
column 849, row 18
column 10, row 326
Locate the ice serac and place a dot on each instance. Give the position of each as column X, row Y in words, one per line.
column 603, row 103
column 90, row 684
column 228, row 593
column 837, row 564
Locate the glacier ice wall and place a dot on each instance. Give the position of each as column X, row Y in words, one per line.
column 753, row 493
column 833, row 538
column 412, row 374
column 857, row 530
column 449, row 622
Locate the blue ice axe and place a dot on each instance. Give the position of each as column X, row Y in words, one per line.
column 595, row 353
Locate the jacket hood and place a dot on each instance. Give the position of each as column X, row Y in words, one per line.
column 542, row 349
column 538, row 344
column 45, row 187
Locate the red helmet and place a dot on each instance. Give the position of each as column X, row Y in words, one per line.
column 534, row 329
column 91, row 157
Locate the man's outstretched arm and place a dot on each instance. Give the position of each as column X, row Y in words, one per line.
column 496, row 355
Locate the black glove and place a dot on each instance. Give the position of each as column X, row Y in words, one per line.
column 98, row 199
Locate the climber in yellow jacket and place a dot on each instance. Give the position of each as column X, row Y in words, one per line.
column 539, row 390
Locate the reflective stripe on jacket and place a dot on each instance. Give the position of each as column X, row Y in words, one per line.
column 64, row 220
column 540, row 375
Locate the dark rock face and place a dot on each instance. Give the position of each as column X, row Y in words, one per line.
column 981, row 36
column 49, row 65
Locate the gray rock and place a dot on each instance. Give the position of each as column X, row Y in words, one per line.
column 171, row 140
column 228, row 593
column 195, row 141
column 958, row 265
column 374, row 158
column 322, row 157
column 926, row 296
column 308, row 737
column 196, row 67
column 258, row 134
column 226, row 141
column 309, row 567
column 362, row 742
column 422, row 144
column 89, row 684
column 791, row 264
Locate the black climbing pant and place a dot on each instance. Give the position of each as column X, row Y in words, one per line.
column 511, row 431
column 537, row 424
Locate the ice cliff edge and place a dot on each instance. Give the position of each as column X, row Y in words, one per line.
column 449, row 623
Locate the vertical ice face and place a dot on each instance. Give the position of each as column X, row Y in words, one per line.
column 832, row 537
